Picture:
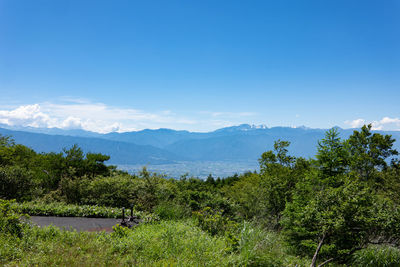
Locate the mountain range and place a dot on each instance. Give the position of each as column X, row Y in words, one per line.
column 242, row 143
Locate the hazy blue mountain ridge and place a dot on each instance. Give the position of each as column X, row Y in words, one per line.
column 120, row 152
column 165, row 146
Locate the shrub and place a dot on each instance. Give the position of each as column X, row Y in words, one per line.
column 114, row 191
column 10, row 222
column 15, row 183
column 214, row 223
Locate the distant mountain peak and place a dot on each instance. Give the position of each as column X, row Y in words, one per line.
column 260, row 126
column 302, row 127
column 242, row 127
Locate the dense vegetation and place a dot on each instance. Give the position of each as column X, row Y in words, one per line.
column 341, row 207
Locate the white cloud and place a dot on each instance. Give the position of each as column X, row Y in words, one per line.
column 386, row 123
column 355, row 123
column 72, row 123
column 387, row 120
column 29, row 115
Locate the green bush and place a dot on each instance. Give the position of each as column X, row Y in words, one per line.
column 10, row 219
column 113, row 191
column 15, row 183
column 213, row 222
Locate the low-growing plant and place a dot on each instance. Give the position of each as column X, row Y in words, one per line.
column 120, row 231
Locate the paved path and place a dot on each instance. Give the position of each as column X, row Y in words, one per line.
column 78, row 223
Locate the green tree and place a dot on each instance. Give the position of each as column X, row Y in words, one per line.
column 279, row 157
column 250, row 196
column 95, row 164
column 333, row 155
column 74, row 161
column 16, row 182
column 369, row 152
column 279, row 173
column 333, row 223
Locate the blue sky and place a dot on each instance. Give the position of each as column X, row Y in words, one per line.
column 199, row 65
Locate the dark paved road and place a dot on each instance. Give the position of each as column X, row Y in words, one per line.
column 78, row 223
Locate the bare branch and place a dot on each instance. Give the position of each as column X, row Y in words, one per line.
column 325, row 262
column 314, row 259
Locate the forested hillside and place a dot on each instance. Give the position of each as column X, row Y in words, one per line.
column 341, row 207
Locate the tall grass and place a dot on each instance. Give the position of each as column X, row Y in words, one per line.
column 164, row 243
column 168, row 243
column 259, row 247
column 377, row 256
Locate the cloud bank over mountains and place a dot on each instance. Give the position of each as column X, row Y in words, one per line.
column 102, row 118
column 384, row 124
column 96, row 117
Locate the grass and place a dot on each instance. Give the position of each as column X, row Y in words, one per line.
column 158, row 244
column 163, row 243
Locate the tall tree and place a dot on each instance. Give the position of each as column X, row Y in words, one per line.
column 369, row 152
column 333, row 155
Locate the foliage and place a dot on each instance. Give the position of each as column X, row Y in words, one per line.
column 213, row 222
column 369, row 152
column 10, row 222
column 115, row 190
column 16, row 183
column 333, row 156
column 279, row 174
column 249, row 195
column 343, row 219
